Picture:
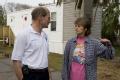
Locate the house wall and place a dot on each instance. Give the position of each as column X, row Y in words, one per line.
column 56, row 37
column 16, row 20
column 68, row 20
column 69, row 16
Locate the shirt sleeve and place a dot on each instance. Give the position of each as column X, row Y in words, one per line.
column 19, row 47
column 47, row 40
column 104, row 51
column 64, row 73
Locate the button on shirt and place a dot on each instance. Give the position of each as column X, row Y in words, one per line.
column 31, row 48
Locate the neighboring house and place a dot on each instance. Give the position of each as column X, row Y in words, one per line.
column 61, row 27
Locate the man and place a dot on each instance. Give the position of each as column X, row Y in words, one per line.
column 30, row 53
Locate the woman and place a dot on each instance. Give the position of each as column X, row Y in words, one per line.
column 81, row 52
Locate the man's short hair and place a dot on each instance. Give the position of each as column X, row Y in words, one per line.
column 39, row 11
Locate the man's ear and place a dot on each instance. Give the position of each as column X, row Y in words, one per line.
column 85, row 29
column 40, row 19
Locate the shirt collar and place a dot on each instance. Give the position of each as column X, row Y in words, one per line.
column 87, row 39
column 35, row 32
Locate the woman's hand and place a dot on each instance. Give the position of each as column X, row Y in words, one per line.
column 104, row 40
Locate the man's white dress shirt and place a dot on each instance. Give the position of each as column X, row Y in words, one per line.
column 31, row 48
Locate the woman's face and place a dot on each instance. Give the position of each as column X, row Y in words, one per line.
column 80, row 30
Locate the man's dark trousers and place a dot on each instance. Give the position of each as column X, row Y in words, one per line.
column 32, row 74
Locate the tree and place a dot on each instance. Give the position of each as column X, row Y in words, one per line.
column 88, row 5
column 2, row 16
column 78, row 4
column 111, row 26
column 11, row 7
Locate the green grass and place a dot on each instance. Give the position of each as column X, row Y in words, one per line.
column 107, row 69
column 6, row 49
column 117, row 50
column 55, row 61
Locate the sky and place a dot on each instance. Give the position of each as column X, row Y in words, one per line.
column 29, row 2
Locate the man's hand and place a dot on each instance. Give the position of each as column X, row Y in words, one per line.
column 18, row 69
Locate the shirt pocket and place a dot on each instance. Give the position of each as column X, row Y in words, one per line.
column 35, row 44
column 90, row 57
column 90, row 51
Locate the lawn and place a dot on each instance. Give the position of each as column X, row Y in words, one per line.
column 117, row 49
column 55, row 61
column 5, row 51
column 107, row 69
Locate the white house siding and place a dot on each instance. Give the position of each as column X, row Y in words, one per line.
column 55, row 37
column 68, row 21
column 16, row 20
column 69, row 16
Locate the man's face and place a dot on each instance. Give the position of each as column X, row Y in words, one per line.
column 45, row 21
column 80, row 30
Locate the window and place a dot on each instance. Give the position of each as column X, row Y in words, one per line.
column 12, row 18
column 25, row 18
column 53, row 21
